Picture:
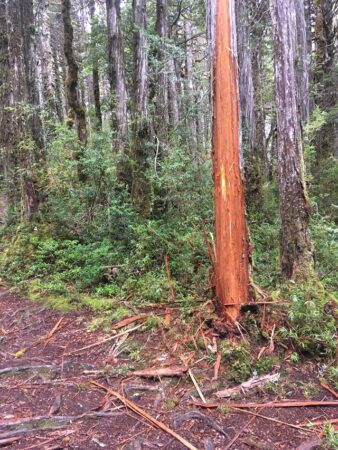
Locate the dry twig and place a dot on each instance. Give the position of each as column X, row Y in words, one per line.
column 145, row 415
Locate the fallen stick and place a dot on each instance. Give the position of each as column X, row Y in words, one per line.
column 321, row 422
column 200, row 393
column 234, row 439
column 128, row 321
column 292, row 404
column 217, row 366
column 8, row 370
column 103, row 341
column 145, row 415
column 193, row 415
column 58, row 420
column 172, row 371
column 8, row 441
column 271, row 419
column 328, row 388
column 250, row 384
column 48, row 336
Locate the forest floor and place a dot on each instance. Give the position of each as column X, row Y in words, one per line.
column 49, row 400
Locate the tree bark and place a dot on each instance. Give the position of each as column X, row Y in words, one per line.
column 301, row 61
column 190, row 89
column 76, row 112
column 232, row 257
column 141, row 189
column 117, row 74
column 162, row 119
column 6, row 115
column 21, row 125
column 95, row 72
column 296, row 250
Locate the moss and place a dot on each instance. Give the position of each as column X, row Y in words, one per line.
column 266, row 364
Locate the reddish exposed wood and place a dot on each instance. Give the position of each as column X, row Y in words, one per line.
column 128, row 321
column 328, row 388
column 172, row 292
column 232, row 260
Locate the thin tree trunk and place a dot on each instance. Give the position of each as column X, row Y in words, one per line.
column 190, row 89
column 95, row 72
column 48, row 102
column 296, row 247
column 76, row 112
column 116, row 73
column 6, row 102
column 301, row 61
column 141, row 190
column 232, row 257
column 162, row 119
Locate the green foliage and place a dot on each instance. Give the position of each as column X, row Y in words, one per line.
column 313, row 319
column 331, row 437
column 238, row 359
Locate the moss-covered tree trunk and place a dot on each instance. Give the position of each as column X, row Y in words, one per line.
column 116, row 74
column 95, row 71
column 232, row 257
column 76, row 112
column 141, row 190
column 295, row 245
column 162, row 110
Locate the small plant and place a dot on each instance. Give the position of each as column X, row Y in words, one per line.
column 238, row 360
column 331, row 437
column 266, row 364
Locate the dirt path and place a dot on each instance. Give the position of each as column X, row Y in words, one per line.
column 47, row 401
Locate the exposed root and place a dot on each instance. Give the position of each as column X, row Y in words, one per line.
column 193, row 415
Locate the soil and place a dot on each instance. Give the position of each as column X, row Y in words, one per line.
column 56, row 385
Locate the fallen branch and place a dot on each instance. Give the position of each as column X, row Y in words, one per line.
column 57, row 420
column 9, row 370
column 291, row 404
column 56, row 328
column 271, row 419
column 8, row 441
column 234, row 439
column 247, row 385
column 128, row 321
column 173, row 371
column 196, row 386
column 217, row 366
column 103, row 341
column 192, row 415
column 145, row 415
column 328, row 388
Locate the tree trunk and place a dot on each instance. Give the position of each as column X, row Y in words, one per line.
column 296, row 247
column 162, row 111
column 245, row 76
column 116, row 73
column 190, row 89
column 25, row 135
column 301, row 61
column 48, row 102
column 6, row 119
column 95, row 71
column 325, row 77
column 141, row 189
column 76, row 112
column 232, row 257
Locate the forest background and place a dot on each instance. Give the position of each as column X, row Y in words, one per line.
column 106, row 169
